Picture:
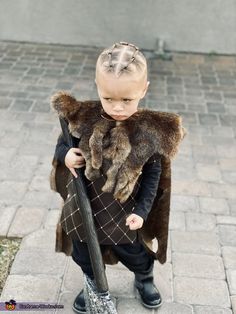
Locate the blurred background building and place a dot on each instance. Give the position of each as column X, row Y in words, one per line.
column 184, row 25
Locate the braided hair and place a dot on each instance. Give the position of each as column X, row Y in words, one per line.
column 121, row 58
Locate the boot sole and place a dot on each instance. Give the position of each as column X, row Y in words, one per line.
column 78, row 311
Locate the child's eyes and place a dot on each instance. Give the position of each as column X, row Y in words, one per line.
column 125, row 100
column 108, row 99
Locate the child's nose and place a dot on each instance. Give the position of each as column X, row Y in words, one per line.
column 118, row 106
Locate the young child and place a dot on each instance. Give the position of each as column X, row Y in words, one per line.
column 124, row 152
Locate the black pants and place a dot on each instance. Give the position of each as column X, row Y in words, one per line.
column 133, row 256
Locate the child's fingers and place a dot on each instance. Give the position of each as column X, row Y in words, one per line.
column 72, row 170
column 79, row 165
column 129, row 219
column 131, row 222
column 134, row 222
column 77, row 150
column 80, row 159
column 133, row 226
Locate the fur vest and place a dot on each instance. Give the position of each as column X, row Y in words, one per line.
column 119, row 149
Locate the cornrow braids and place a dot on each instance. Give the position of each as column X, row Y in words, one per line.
column 121, row 58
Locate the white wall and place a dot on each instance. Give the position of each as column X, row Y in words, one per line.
column 185, row 25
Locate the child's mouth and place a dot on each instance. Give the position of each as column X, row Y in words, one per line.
column 120, row 117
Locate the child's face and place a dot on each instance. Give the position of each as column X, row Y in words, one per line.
column 120, row 96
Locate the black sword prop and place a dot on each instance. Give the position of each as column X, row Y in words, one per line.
column 106, row 305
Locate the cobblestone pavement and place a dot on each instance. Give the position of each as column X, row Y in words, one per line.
column 200, row 274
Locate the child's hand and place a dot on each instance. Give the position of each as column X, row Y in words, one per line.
column 73, row 160
column 134, row 222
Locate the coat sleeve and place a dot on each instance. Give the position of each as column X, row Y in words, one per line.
column 59, row 173
column 156, row 224
column 148, row 186
column 62, row 148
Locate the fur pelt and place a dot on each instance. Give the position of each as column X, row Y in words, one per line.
column 118, row 149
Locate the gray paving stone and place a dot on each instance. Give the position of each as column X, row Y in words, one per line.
column 163, row 279
column 21, row 167
column 26, row 220
column 46, row 118
column 208, row 119
column 196, row 265
column 189, row 117
column 201, row 291
column 66, row 299
column 223, row 131
column 230, row 109
column 213, row 205
column 232, row 205
column 215, row 107
column 174, row 308
column 44, row 166
column 5, row 103
column 42, row 137
column 226, row 220
column 39, row 150
column 229, row 256
column 197, row 107
column 193, row 188
column 12, row 190
column 184, row 157
column 120, row 281
column 131, row 306
column 229, row 177
column 6, row 216
column 184, row 203
column 233, row 300
column 41, row 288
column 208, row 172
column 40, row 239
column 25, row 116
column 177, row 220
column 39, row 183
column 195, row 242
column 73, row 277
column 200, row 222
column 40, row 106
column 52, row 218
column 226, row 151
column 184, row 154
column 231, row 276
column 21, row 105
column 211, row 310
column 56, row 202
column 13, row 138
column 38, row 262
column 180, row 173
column 218, row 140
column 205, row 154
column 227, row 235
column 37, row 198
column 192, row 138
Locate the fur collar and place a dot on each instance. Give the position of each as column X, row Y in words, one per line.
column 119, row 149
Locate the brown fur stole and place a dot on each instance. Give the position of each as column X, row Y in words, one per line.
column 117, row 149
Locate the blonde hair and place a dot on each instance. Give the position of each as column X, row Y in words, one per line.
column 122, row 58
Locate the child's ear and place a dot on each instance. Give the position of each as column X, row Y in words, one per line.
column 145, row 89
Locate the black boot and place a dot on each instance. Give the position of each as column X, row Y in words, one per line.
column 149, row 294
column 79, row 303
